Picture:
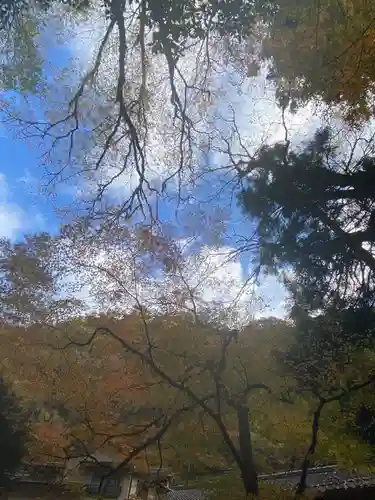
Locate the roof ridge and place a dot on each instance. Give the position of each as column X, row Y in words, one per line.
column 297, row 472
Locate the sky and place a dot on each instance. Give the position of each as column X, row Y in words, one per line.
column 26, row 207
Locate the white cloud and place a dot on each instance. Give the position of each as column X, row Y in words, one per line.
column 115, row 278
column 14, row 221
column 10, row 221
column 258, row 118
column 222, row 281
column 274, row 296
column 10, row 214
column 250, row 100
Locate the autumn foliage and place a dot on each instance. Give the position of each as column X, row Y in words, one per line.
column 326, row 50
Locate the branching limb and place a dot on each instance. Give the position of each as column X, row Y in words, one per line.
column 315, row 428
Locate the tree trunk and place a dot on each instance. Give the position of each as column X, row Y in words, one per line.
column 311, row 451
column 248, row 472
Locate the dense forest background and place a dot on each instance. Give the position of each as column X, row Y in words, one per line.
column 188, row 157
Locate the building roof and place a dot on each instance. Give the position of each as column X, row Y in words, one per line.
column 101, row 458
column 52, row 477
column 163, row 472
column 323, row 479
column 191, row 494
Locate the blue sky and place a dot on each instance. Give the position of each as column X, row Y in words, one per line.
column 25, row 208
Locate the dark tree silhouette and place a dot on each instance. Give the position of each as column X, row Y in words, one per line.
column 314, row 214
column 13, row 433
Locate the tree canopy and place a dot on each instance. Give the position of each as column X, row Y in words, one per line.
column 13, row 433
column 116, row 331
column 325, row 50
column 134, row 383
column 315, row 218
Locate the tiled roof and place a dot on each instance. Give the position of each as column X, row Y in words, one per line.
column 163, row 472
column 323, row 479
column 185, row 495
column 338, row 482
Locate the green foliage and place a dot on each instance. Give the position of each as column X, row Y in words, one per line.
column 177, row 22
column 313, row 210
column 28, row 283
column 13, row 433
column 330, row 348
column 13, row 10
column 174, row 26
column 21, row 68
column 25, row 279
column 20, row 23
column 314, row 215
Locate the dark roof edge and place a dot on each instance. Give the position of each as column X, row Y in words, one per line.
column 298, row 472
